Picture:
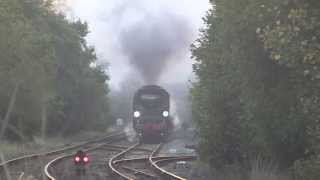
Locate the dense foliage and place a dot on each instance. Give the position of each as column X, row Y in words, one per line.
column 257, row 93
column 47, row 83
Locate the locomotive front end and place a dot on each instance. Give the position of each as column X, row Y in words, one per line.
column 151, row 117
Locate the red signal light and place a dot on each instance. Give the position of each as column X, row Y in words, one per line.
column 85, row 159
column 77, row 159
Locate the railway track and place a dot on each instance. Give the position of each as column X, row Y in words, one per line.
column 139, row 161
column 155, row 161
column 19, row 163
column 144, row 166
column 105, row 145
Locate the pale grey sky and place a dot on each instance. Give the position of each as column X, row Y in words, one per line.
column 108, row 18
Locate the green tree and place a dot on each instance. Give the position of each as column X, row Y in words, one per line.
column 257, row 87
column 47, row 83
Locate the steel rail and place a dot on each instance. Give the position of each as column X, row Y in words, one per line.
column 156, row 158
column 65, row 156
column 178, row 158
column 126, row 147
column 58, row 151
column 119, row 155
column 46, row 168
column 151, row 159
column 162, row 171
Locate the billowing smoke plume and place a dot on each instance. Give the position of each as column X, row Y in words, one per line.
column 153, row 43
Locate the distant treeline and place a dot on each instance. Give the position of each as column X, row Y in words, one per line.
column 47, row 85
column 258, row 88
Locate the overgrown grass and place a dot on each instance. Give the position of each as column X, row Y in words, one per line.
column 265, row 169
column 14, row 149
column 261, row 169
column 37, row 145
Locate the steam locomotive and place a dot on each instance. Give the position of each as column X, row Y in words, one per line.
column 151, row 115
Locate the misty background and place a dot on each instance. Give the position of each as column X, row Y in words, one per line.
column 143, row 42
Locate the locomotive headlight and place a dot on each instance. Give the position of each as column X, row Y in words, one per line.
column 165, row 113
column 136, row 114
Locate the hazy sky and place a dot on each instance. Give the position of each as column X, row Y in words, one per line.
column 110, row 22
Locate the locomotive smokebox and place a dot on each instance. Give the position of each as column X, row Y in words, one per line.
column 150, row 113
